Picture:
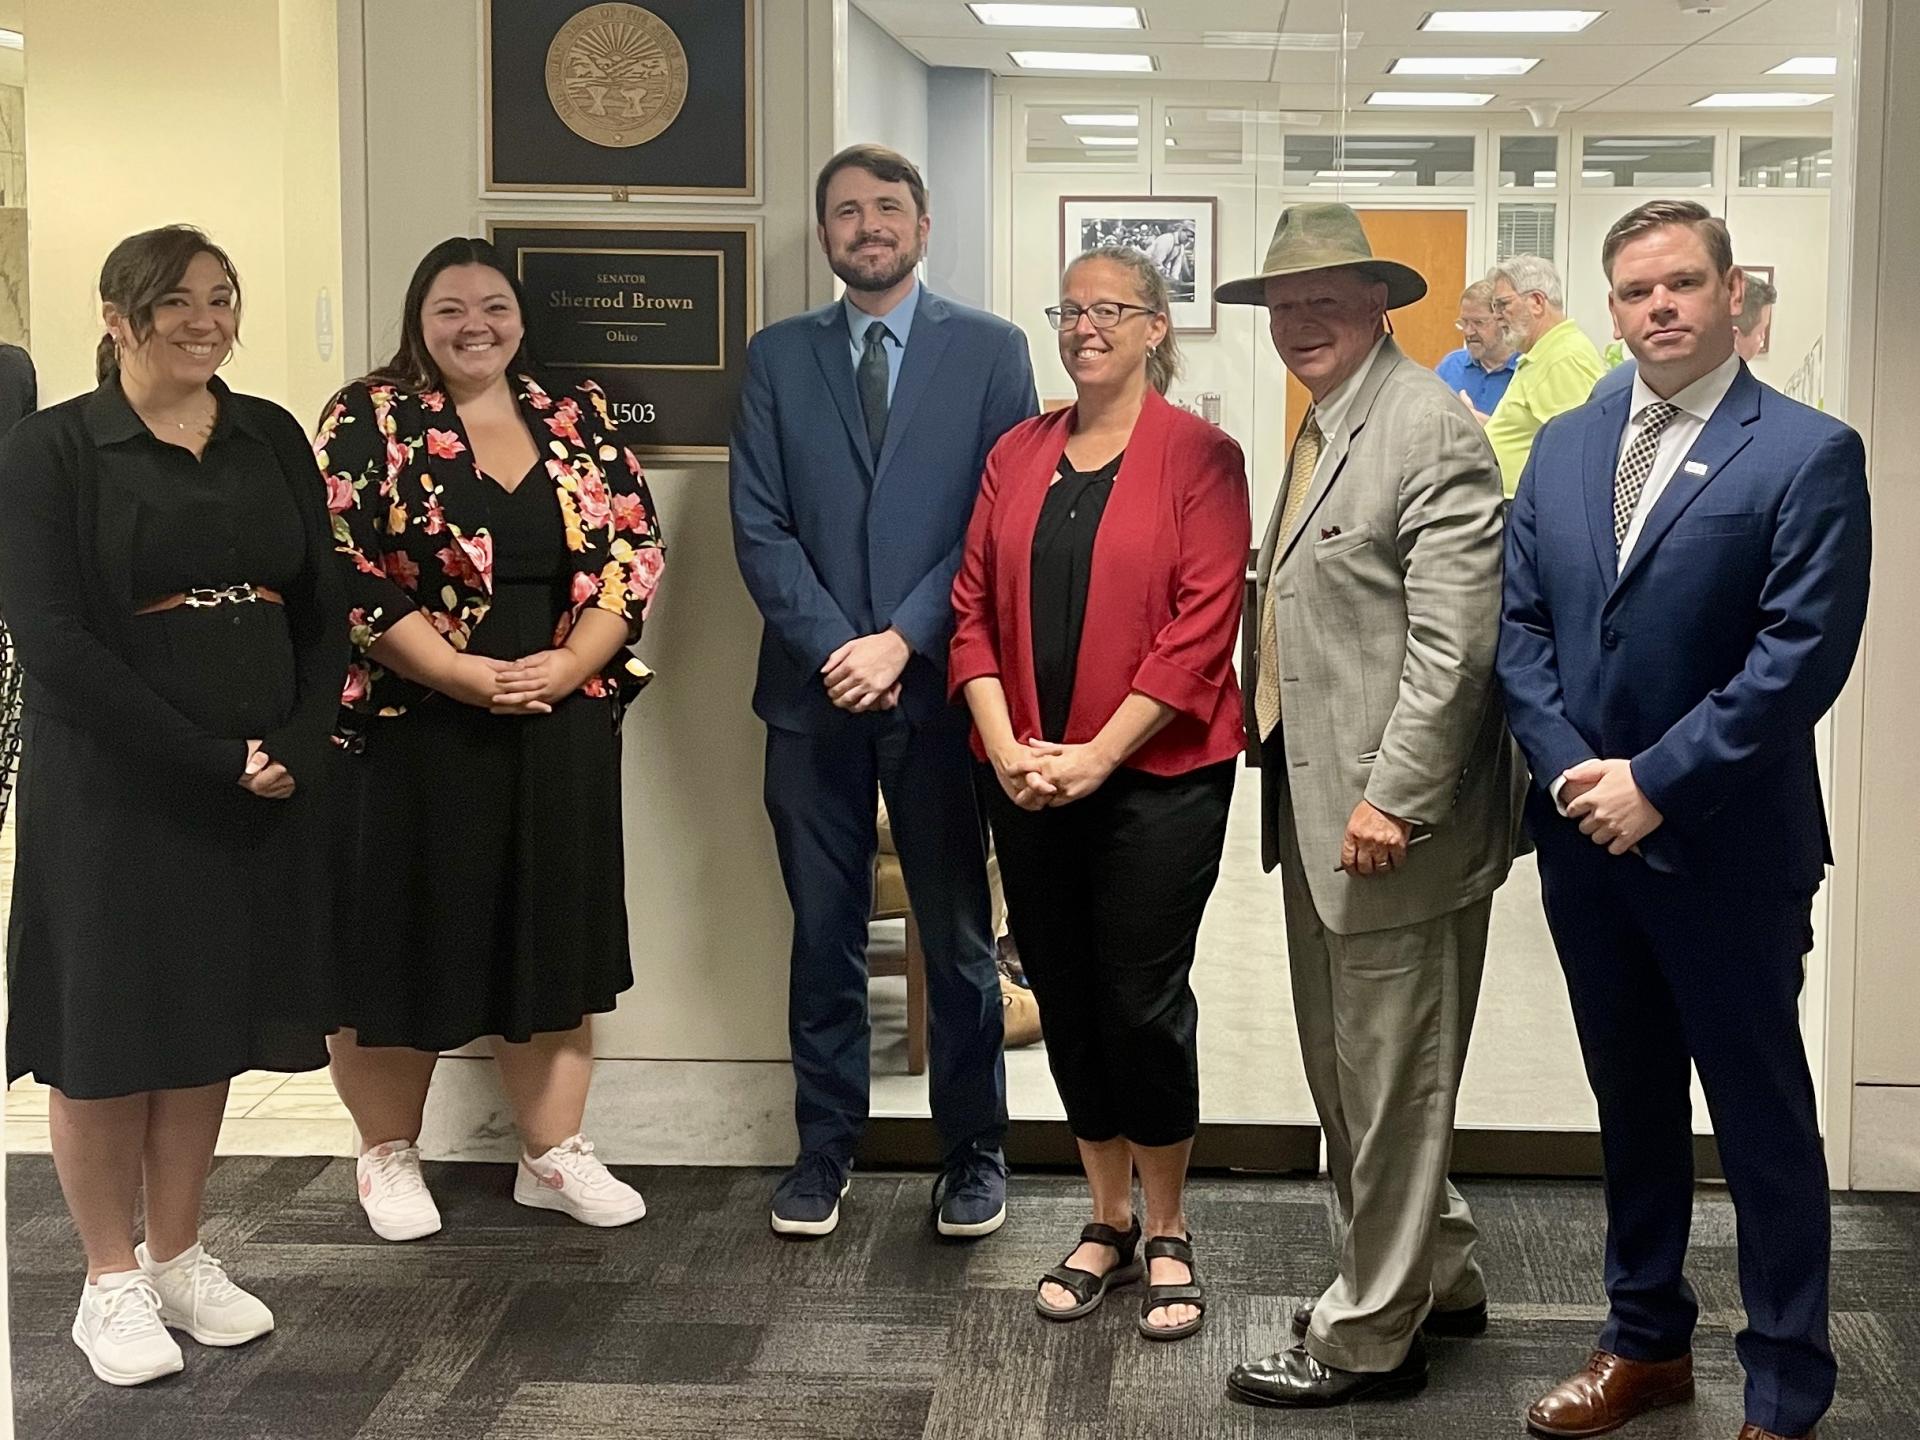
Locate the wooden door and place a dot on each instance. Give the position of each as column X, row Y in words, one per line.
column 1434, row 242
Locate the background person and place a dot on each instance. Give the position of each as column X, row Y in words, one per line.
column 500, row 549
column 165, row 570
column 1096, row 611
column 1558, row 364
column 1482, row 368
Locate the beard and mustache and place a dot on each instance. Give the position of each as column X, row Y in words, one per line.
column 882, row 273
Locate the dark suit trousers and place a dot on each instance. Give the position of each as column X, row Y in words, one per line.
column 822, row 794
column 1662, row 969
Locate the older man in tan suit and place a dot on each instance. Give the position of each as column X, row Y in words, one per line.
column 1391, row 796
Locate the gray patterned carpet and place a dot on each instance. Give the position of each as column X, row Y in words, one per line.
column 519, row 1325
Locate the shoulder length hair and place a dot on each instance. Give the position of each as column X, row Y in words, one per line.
column 412, row 368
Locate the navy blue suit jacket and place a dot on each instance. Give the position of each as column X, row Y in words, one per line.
column 1709, row 660
column 833, row 546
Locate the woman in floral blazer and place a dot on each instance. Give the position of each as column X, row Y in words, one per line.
column 500, row 550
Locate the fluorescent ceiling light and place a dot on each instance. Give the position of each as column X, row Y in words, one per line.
column 1356, row 174
column 1429, row 99
column 1808, row 65
column 1398, row 162
column 1446, row 65
column 1611, row 159
column 1596, row 174
column 1277, row 40
column 1061, row 17
column 1127, row 121
column 1642, row 142
column 1344, row 185
column 1171, row 142
column 1081, row 60
column 12, row 40
column 1760, row 100
column 1509, row 22
column 1126, row 140
column 1352, row 144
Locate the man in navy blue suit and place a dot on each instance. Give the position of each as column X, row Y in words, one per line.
column 1685, row 587
column 857, row 454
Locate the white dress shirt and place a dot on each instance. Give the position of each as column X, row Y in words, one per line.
column 1696, row 404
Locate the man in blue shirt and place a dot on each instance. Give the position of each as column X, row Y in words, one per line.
column 1480, row 370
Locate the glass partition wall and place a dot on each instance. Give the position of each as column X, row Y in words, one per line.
column 1452, row 192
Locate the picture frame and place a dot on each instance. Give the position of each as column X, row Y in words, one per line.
column 657, row 312
column 622, row 100
column 1179, row 233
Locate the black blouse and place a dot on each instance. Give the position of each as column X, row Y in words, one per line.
column 1062, row 562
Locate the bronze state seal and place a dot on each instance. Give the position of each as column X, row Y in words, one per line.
column 616, row 75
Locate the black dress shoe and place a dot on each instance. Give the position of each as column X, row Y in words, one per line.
column 1461, row 1324
column 1294, row 1379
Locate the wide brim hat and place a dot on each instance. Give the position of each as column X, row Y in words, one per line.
column 1323, row 236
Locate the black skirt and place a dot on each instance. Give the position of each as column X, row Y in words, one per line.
column 484, row 889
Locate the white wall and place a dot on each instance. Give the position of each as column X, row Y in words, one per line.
column 710, row 919
column 886, row 91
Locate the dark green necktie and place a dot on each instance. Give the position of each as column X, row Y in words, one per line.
column 873, row 385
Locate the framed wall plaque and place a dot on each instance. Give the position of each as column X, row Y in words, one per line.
column 657, row 312
column 619, row 99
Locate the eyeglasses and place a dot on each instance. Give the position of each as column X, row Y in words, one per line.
column 1500, row 304
column 1105, row 314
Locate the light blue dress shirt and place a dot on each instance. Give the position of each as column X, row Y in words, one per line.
column 899, row 323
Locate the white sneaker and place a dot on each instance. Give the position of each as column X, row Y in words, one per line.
column 118, row 1329
column 393, row 1192
column 568, row 1178
column 196, row 1296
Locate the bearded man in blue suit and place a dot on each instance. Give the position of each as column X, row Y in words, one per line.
column 863, row 430
column 1686, row 582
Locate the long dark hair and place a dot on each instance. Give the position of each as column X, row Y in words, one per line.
column 144, row 267
column 411, row 367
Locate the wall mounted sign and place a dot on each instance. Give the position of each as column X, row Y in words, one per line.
column 657, row 312
column 1176, row 232
column 620, row 99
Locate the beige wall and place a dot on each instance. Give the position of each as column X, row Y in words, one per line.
column 710, row 920
column 221, row 113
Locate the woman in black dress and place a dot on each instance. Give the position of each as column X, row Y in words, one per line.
column 500, row 549
column 166, row 572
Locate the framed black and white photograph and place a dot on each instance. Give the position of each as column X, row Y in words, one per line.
column 1177, row 233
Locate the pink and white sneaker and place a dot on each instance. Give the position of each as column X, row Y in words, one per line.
column 393, row 1192
column 569, row 1179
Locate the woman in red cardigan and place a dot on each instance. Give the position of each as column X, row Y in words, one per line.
column 1095, row 611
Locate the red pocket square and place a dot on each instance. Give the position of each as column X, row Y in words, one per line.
column 1330, row 533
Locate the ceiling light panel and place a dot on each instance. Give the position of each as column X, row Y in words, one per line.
column 1429, row 99
column 1060, row 17
column 1509, row 22
column 1761, row 100
column 1123, row 120
column 1082, row 60
column 1472, row 68
column 1808, row 65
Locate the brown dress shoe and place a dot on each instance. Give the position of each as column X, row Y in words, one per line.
column 1607, row 1394
column 1754, row 1432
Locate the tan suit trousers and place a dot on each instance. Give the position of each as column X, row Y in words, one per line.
column 1384, row 1017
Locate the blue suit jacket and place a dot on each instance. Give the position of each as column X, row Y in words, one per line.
column 833, row 546
column 1710, row 658
column 1617, row 380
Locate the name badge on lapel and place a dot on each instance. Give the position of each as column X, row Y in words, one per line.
column 1694, row 467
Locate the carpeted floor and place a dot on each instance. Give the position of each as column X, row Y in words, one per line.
column 698, row 1323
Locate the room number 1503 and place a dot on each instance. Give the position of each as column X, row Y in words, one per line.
column 630, row 412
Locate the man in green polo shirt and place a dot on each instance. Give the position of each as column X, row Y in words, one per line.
column 1558, row 363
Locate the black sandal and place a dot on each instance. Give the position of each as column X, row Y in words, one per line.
column 1086, row 1287
column 1172, row 1247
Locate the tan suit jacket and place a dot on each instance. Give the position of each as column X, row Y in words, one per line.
column 1387, row 612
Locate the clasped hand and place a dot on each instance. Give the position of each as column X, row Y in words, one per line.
column 864, row 673
column 1374, row 843
column 264, row 776
column 531, row 685
column 1602, row 796
column 1041, row 773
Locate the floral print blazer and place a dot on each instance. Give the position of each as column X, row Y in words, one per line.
column 387, row 456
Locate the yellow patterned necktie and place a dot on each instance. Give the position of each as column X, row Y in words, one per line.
column 1306, row 455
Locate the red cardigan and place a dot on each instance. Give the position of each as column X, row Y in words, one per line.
column 1163, row 598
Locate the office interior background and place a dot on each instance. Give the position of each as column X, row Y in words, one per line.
column 328, row 143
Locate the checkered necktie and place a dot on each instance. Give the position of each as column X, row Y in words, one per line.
column 1266, row 691
column 1636, row 465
